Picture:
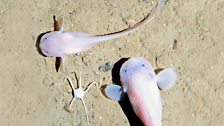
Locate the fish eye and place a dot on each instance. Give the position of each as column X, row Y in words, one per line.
column 125, row 70
column 143, row 65
column 45, row 38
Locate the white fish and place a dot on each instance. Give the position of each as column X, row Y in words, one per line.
column 59, row 43
column 141, row 84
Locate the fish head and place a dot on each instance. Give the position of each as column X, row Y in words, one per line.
column 50, row 44
column 134, row 66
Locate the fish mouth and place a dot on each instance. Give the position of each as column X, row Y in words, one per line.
column 44, row 54
column 38, row 43
column 42, row 50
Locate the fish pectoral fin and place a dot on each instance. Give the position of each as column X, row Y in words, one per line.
column 58, row 24
column 166, row 78
column 59, row 63
column 114, row 92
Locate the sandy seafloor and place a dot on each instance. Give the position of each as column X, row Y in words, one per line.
column 28, row 99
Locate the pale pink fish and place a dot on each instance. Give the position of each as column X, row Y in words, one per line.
column 61, row 44
column 142, row 85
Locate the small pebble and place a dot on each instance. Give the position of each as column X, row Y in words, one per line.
column 174, row 44
column 69, row 109
column 105, row 67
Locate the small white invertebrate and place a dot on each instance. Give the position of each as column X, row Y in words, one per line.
column 79, row 93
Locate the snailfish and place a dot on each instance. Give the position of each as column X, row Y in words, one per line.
column 60, row 44
column 142, row 85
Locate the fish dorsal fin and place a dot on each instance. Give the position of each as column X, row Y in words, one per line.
column 166, row 78
column 58, row 24
column 114, row 92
